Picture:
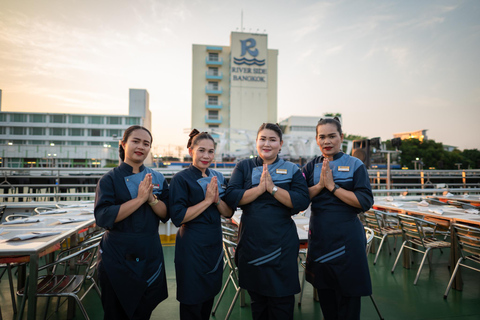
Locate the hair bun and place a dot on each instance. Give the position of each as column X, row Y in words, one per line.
column 193, row 133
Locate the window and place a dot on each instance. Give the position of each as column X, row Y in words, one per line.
column 15, row 142
column 213, row 100
column 114, row 133
column 95, row 132
column 95, row 143
column 77, row 119
column 57, row 131
column 3, row 117
column 37, row 142
column 57, row 143
column 3, row 130
column 37, row 131
column 75, row 143
column 132, row 121
column 213, row 125
column 38, row 118
column 212, row 85
column 213, row 114
column 213, row 56
column 57, row 118
column 18, row 131
column 212, row 71
column 75, row 132
column 15, row 117
column 114, row 120
column 302, row 128
column 95, row 120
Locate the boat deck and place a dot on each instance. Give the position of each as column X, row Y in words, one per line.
column 395, row 294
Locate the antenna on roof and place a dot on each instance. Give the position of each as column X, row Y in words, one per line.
column 241, row 22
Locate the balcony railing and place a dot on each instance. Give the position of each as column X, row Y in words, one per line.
column 214, row 61
column 213, row 119
column 216, row 106
column 213, row 75
column 213, row 90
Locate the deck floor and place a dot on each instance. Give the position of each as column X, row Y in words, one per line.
column 395, row 295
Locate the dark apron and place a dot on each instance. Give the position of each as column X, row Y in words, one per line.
column 198, row 262
column 135, row 267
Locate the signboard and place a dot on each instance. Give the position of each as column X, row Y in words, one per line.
column 248, row 60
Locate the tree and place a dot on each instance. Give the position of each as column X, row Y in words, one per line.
column 432, row 154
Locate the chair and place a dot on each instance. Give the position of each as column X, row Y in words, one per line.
column 468, row 240
column 416, row 239
column 60, row 284
column 303, row 264
column 370, row 235
column 229, row 248
column 381, row 231
column 16, row 261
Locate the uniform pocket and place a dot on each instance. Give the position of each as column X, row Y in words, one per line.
column 135, row 264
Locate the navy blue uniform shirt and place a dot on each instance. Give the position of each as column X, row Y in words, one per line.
column 336, row 243
column 131, row 252
column 198, row 247
column 268, row 247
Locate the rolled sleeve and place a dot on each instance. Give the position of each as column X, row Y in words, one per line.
column 362, row 188
column 105, row 210
column 178, row 200
column 299, row 193
column 235, row 189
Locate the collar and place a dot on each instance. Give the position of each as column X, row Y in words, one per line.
column 128, row 168
column 335, row 157
column 259, row 161
column 198, row 171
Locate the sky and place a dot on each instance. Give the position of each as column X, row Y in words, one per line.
column 386, row 66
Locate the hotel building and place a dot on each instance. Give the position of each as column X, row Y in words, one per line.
column 30, row 139
column 234, row 88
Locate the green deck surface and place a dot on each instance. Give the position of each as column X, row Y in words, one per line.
column 395, row 294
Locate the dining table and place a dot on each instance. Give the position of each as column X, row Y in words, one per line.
column 443, row 215
column 34, row 235
column 470, row 199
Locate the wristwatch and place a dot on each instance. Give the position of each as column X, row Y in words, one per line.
column 335, row 188
column 154, row 202
column 275, row 189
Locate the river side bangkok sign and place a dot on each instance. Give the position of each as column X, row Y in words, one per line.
column 249, row 60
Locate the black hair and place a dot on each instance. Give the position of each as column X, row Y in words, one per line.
column 126, row 134
column 271, row 126
column 335, row 121
column 196, row 136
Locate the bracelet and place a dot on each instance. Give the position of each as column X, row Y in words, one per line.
column 154, row 202
column 219, row 200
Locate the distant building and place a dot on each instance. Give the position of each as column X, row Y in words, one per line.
column 234, row 88
column 300, row 137
column 31, row 139
column 419, row 134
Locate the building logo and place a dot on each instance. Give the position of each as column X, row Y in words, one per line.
column 248, row 45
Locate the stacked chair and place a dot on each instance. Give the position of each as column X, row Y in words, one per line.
column 417, row 239
column 468, row 240
column 230, row 238
column 381, row 230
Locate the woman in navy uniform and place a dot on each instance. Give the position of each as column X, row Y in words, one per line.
column 336, row 261
column 196, row 205
column 269, row 191
column 129, row 203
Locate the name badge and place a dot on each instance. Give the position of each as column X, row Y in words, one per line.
column 344, row 168
column 281, row 171
column 156, row 186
